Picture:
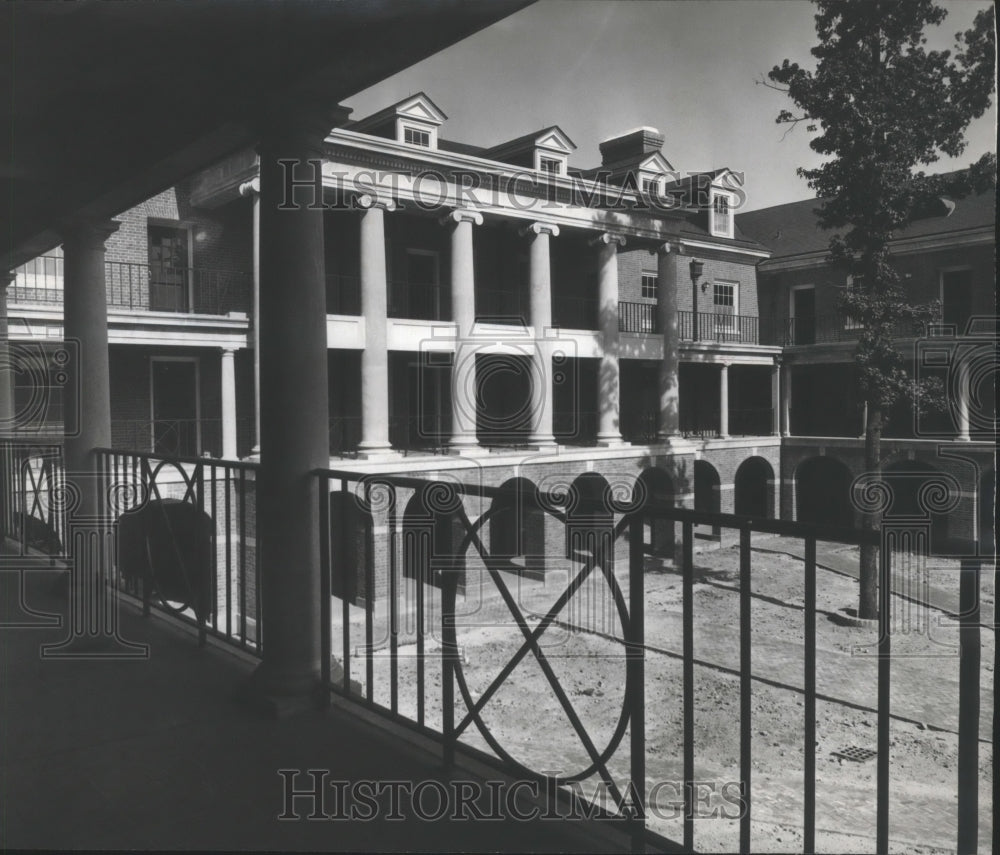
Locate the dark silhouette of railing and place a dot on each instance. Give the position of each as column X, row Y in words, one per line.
column 32, row 486
column 224, row 494
column 706, row 326
column 574, row 312
column 438, row 536
column 755, row 421
column 39, row 281
column 502, row 306
column 835, row 327
column 416, row 301
column 184, row 290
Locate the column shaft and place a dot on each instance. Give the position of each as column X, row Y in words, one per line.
column 463, row 302
column 962, row 399
column 375, row 356
column 776, row 399
column 294, row 424
column 6, row 378
column 540, row 281
column 786, row 399
column 608, row 383
column 87, row 394
column 666, row 305
column 228, row 379
column 724, row 400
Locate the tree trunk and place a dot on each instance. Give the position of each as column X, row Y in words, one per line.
column 871, row 520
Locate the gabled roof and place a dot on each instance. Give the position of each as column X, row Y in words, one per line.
column 418, row 106
column 552, row 137
column 793, row 228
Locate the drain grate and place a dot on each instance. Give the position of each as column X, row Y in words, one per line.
column 857, row 755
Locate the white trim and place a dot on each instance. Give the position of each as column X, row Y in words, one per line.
column 404, row 125
column 731, row 325
column 197, row 398
column 715, row 194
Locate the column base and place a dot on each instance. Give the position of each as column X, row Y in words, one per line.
column 377, row 452
column 542, row 443
column 611, row 441
column 280, row 698
column 467, row 449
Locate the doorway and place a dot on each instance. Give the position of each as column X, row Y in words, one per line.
column 176, row 422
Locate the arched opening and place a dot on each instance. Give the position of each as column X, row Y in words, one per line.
column 754, row 489
column 707, row 495
column 589, row 519
column 823, row 492
column 906, row 479
column 517, row 527
column 659, row 532
column 987, row 512
column 431, row 540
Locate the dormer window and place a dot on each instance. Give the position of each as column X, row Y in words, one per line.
column 721, row 215
column 416, row 136
column 550, row 165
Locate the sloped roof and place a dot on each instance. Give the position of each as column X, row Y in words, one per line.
column 793, row 229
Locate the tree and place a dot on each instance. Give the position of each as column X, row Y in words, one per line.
column 882, row 105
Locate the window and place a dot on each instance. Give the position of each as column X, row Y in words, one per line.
column 169, row 274
column 550, row 165
column 415, row 136
column 724, row 301
column 721, row 216
column 650, row 186
column 648, row 286
column 956, row 298
column 854, row 283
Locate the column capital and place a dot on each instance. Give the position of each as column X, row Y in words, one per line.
column 227, row 351
column 251, row 187
column 462, row 215
column 666, row 248
column 88, row 234
column 538, row 228
column 607, row 238
column 367, row 201
column 725, row 363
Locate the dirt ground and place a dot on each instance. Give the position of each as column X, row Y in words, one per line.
column 587, row 659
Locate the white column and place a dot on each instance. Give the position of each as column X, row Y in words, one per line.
column 962, row 400
column 375, row 356
column 540, row 280
column 252, row 189
column 228, row 377
column 463, row 302
column 864, row 420
column 776, row 398
column 666, row 305
column 6, row 378
column 608, row 389
column 786, row 399
column 724, row 400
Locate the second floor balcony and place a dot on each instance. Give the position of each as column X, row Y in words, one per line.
column 140, row 287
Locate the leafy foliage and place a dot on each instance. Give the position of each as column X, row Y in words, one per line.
column 883, row 104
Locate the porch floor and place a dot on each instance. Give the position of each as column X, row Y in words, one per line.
column 157, row 753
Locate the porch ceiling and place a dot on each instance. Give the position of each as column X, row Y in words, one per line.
column 106, row 104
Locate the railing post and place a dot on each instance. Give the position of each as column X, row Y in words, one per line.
column 449, row 656
column 636, row 679
column 968, row 708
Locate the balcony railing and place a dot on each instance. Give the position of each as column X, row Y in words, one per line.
column 823, row 329
column 176, row 437
column 345, row 434
column 33, row 493
column 407, row 645
column 707, row 326
column 416, row 300
column 574, row 312
column 188, row 290
column 754, row 421
column 503, row 306
column 205, row 573
column 343, row 294
column 141, row 287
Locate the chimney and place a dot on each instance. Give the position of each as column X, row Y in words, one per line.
column 631, row 145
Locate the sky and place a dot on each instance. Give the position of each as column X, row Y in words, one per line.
column 686, row 67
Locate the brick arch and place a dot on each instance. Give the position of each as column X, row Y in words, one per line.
column 659, row 534
column 823, row 491
column 754, row 488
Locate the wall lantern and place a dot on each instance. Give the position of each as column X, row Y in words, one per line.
column 696, row 269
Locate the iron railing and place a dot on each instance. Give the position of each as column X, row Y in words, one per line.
column 33, row 491
column 393, row 631
column 417, row 301
column 222, row 496
column 345, row 434
column 718, row 327
column 829, row 328
column 343, row 294
column 574, row 312
column 753, row 421
column 502, row 306
column 186, row 290
column 638, row 317
column 39, row 281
